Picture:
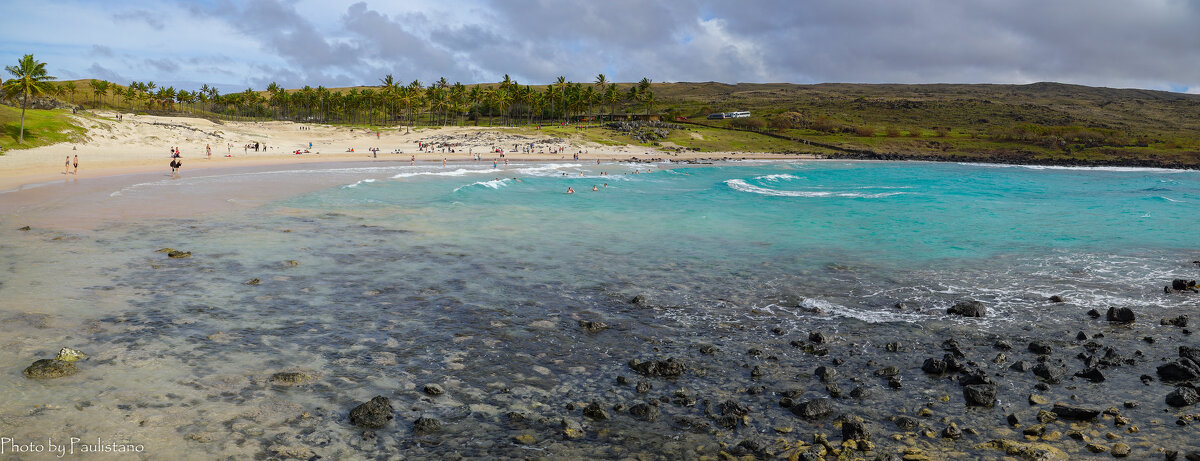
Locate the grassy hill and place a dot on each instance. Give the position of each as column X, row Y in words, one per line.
column 1040, row 122
column 42, row 127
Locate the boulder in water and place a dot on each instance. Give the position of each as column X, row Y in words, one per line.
column 50, row 368
column 980, row 395
column 669, row 368
column 1183, row 396
column 1120, row 315
column 813, row 409
column 67, row 354
column 372, row 414
column 968, row 308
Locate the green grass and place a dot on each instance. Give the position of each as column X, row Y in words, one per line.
column 42, row 128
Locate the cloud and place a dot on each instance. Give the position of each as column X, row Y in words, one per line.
column 352, row 42
column 100, row 72
column 142, row 16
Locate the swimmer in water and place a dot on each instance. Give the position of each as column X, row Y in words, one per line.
column 570, row 190
column 594, row 189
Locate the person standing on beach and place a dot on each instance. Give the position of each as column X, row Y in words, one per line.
column 207, row 152
column 67, row 169
column 76, row 165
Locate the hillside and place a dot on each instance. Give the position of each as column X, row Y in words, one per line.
column 1036, row 123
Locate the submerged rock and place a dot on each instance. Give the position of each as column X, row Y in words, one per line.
column 50, row 368
column 373, row 414
column 433, row 390
column 290, row 378
column 644, row 412
column 592, row 326
column 1180, row 321
column 968, row 308
column 425, row 425
column 669, row 368
column 175, row 254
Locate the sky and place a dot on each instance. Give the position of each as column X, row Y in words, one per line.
column 239, row 44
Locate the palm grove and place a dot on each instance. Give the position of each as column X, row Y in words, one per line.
column 392, row 102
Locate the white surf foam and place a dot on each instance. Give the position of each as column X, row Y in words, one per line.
column 493, row 184
column 742, row 186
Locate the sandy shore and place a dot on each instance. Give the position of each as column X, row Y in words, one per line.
column 142, row 143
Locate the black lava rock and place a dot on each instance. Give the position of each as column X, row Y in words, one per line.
column 855, row 430
column 826, row 374
column 1183, row 396
column 1182, row 369
column 980, row 395
column 644, row 412
column 1050, row 374
column 1040, row 347
column 906, row 423
column 595, row 411
column 1092, row 374
column 968, row 308
column 813, row 409
column 372, row 414
column 1120, row 315
column 1074, row 413
column 669, row 368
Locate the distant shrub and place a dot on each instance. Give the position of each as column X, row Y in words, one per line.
column 942, row 132
column 914, row 132
column 786, row 121
column 825, row 124
column 864, row 131
column 749, row 123
column 893, row 132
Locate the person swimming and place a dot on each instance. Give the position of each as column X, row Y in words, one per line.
column 570, row 190
column 594, row 189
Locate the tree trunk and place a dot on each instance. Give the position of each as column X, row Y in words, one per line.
column 24, row 103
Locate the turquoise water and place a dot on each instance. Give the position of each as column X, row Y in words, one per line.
column 380, row 279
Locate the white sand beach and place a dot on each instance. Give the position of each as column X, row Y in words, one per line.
column 142, row 143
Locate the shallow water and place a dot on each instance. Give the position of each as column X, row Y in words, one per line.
column 378, row 280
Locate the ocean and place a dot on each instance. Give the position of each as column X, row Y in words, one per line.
column 378, row 279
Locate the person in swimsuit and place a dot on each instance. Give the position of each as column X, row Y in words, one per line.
column 67, row 169
column 76, row 165
column 570, row 190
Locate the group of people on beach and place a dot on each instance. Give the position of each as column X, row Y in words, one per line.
column 67, row 169
column 176, row 162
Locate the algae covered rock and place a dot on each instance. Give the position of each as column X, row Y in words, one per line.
column 67, row 354
column 290, row 378
column 50, row 368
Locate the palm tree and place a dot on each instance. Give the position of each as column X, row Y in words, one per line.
column 29, row 77
column 601, row 82
column 562, row 84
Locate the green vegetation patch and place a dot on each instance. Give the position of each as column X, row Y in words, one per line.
column 42, row 128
